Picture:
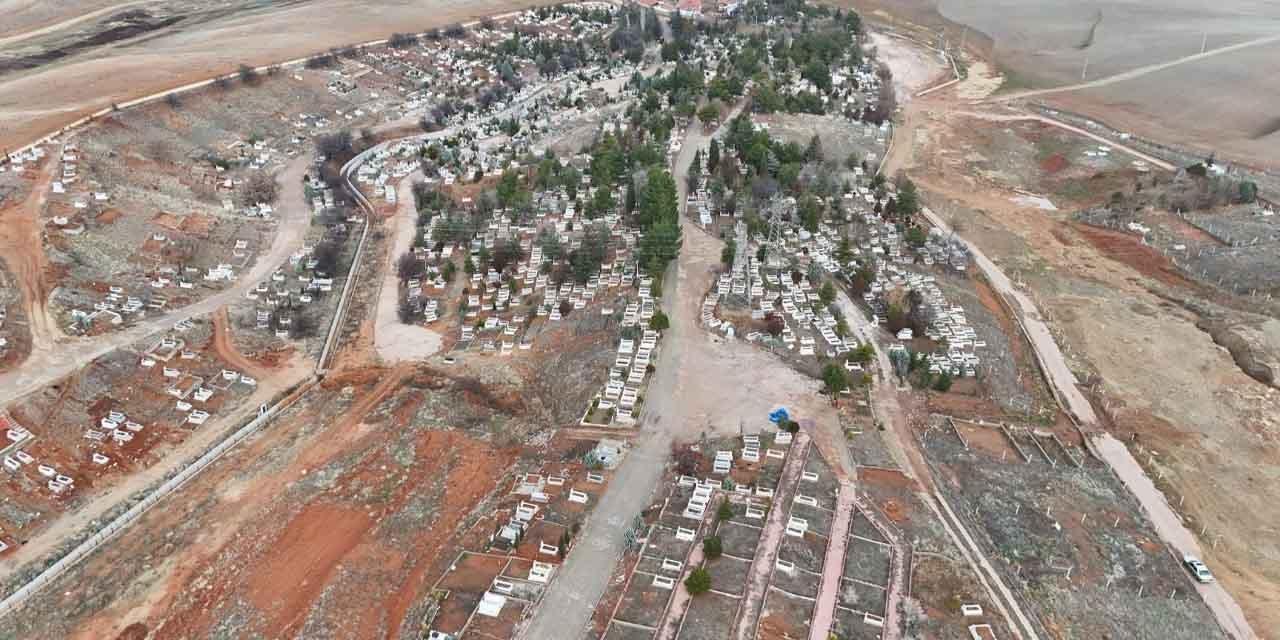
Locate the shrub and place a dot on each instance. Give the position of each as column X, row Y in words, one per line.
column 712, row 547
column 943, row 383
column 699, row 581
column 725, row 511
column 248, row 75
column 659, row 321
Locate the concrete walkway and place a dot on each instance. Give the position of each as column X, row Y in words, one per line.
column 824, row 611
column 566, row 608
column 761, row 571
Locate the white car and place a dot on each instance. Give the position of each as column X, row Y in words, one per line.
column 1198, row 570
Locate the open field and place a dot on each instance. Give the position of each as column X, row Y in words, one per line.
column 1041, row 45
column 42, row 100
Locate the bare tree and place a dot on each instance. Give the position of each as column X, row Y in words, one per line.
column 259, row 187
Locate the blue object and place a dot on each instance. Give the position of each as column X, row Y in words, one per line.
column 779, row 415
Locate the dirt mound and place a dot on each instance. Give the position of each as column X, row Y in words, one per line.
column 1126, row 249
column 1248, row 347
column 1053, row 163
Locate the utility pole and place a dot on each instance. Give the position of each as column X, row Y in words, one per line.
column 1203, row 41
column 1085, row 69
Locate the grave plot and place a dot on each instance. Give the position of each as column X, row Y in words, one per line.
column 865, row 578
column 784, row 616
column 710, row 616
column 1070, row 539
column 851, row 625
column 485, row 595
column 623, row 631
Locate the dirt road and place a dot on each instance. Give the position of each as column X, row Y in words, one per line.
column 703, row 384
column 21, row 245
column 55, row 359
column 1136, row 73
column 395, row 340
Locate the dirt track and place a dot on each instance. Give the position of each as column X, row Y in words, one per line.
column 21, row 245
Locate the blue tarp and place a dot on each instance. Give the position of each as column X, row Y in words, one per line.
column 778, row 415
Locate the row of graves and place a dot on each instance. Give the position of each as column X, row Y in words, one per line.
column 668, row 544
column 489, row 591
column 619, row 403
column 955, row 339
column 947, row 326
column 379, row 172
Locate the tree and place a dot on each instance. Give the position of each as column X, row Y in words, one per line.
column 658, row 199
column 728, row 252
column 908, row 197
column 712, row 547
column 408, row 266
column 713, row 156
column 863, row 354
column 943, row 383
column 259, row 187
column 813, row 153
column 248, row 75
column 698, row 582
column 708, row 114
column 827, row 294
column 774, row 324
column 659, row 245
column 659, row 321
column 1248, row 191
column 334, row 144
column 810, row 211
column 725, row 511
column 834, row 379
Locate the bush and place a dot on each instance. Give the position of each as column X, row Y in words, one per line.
column 659, row 321
column 724, row 512
column 712, row 547
column 319, row 62
column 259, row 187
column 248, row 75
column 943, row 383
column 402, row 40
column 698, row 582
column 791, row 426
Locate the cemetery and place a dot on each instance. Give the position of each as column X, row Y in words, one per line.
column 1064, row 530
column 115, row 417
